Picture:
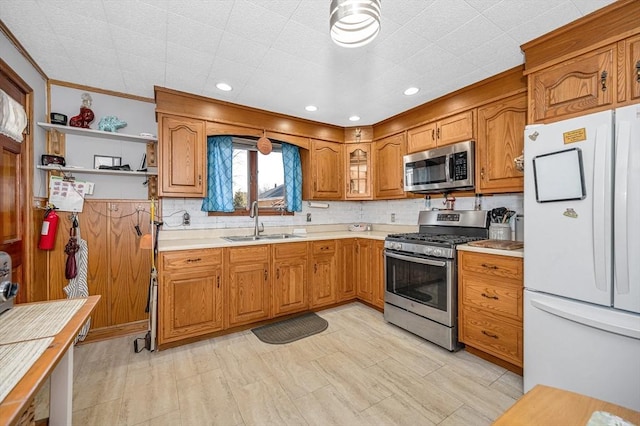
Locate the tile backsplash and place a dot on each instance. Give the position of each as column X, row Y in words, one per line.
column 404, row 212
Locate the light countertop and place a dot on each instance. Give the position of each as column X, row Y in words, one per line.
column 213, row 238
column 513, row 253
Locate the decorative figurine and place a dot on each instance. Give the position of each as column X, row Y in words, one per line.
column 86, row 116
column 111, row 123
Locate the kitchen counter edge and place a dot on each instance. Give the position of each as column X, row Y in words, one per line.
column 219, row 242
column 486, row 250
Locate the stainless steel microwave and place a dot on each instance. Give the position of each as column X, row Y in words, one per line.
column 447, row 168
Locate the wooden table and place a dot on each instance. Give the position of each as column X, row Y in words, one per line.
column 56, row 362
column 544, row 405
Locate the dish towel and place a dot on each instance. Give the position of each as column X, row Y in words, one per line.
column 78, row 286
column 13, row 118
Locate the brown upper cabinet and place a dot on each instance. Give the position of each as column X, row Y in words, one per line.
column 358, row 171
column 456, row 128
column 499, row 142
column 322, row 166
column 579, row 85
column 388, row 167
column 631, row 67
column 182, row 151
column 588, row 65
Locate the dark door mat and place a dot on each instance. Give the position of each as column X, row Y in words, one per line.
column 292, row 329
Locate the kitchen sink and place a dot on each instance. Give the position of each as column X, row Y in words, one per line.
column 241, row 238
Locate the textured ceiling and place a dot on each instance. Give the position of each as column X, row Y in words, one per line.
column 277, row 54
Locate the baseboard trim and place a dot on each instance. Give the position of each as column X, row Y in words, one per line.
column 113, row 331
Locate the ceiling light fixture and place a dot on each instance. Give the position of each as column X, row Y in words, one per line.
column 311, row 108
column 354, row 118
column 354, row 23
column 224, row 87
column 411, row 91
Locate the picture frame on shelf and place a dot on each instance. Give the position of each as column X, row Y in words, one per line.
column 105, row 160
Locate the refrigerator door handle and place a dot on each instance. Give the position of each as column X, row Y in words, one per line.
column 623, row 153
column 572, row 314
column 601, row 222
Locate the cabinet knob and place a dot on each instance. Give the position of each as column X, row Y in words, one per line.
column 315, row 268
column 278, row 273
column 603, row 80
column 266, row 274
column 486, row 333
column 218, row 281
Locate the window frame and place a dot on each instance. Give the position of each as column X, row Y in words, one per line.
column 252, row 169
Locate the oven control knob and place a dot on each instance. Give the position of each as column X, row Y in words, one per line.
column 438, row 252
column 428, row 250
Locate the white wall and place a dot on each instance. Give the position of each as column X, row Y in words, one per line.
column 30, row 75
column 140, row 118
column 375, row 212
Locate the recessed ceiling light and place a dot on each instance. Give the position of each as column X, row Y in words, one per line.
column 224, row 87
column 411, row 91
column 311, row 108
column 354, row 118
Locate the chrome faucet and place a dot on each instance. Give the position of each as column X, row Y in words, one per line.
column 253, row 213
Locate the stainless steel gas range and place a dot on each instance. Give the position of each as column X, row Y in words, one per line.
column 421, row 274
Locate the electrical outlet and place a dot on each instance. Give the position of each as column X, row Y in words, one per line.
column 393, row 217
column 308, row 217
column 186, row 219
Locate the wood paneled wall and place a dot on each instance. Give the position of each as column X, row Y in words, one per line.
column 118, row 269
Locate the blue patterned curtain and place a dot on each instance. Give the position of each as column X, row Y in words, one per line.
column 292, row 177
column 219, row 177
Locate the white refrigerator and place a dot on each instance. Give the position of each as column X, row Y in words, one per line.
column 582, row 255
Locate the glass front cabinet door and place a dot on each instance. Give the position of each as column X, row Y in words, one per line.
column 358, row 160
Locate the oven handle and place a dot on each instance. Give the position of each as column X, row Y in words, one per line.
column 415, row 259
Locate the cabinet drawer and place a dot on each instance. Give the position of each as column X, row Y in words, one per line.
column 255, row 254
column 323, row 247
column 289, row 250
column 178, row 260
column 496, row 297
column 492, row 335
column 490, row 264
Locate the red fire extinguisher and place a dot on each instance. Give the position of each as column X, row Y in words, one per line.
column 49, row 228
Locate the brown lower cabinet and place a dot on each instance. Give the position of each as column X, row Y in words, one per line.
column 323, row 272
column 209, row 290
column 371, row 272
column 190, row 294
column 290, row 268
column 490, row 305
column 249, row 295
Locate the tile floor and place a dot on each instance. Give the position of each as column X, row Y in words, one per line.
column 360, row 371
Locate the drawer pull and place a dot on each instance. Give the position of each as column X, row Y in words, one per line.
column 494, row 297
column 603, row 80
column 197, row 259
column 266, row 274
column 486, row 333
column 218, row 280
column 484, row 265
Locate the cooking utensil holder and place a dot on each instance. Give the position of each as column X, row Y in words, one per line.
column 499, row 231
